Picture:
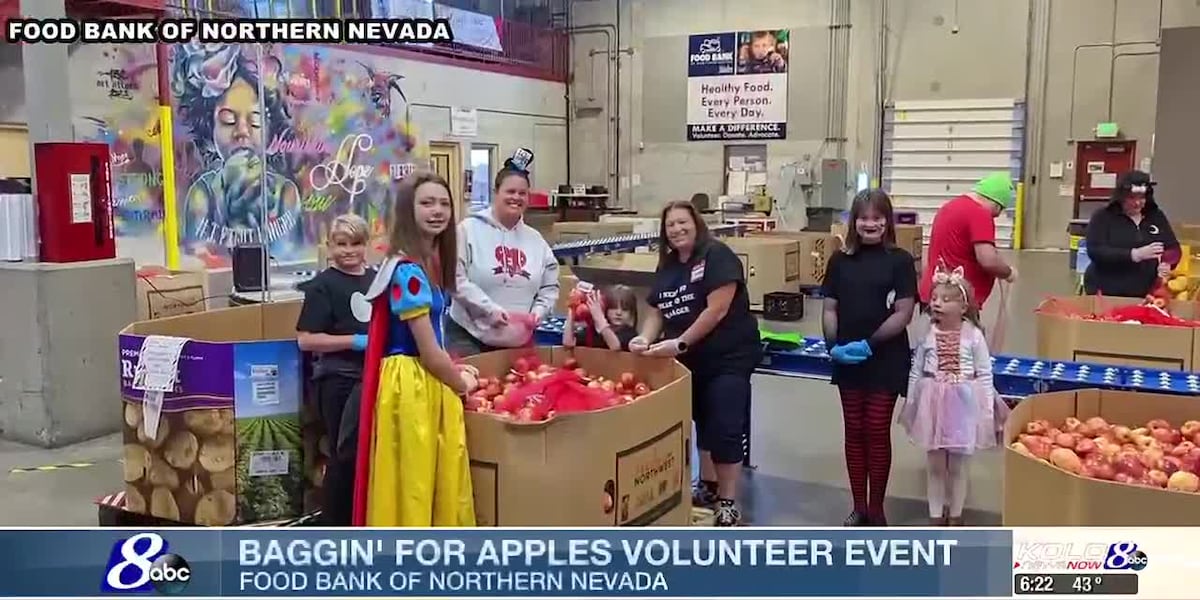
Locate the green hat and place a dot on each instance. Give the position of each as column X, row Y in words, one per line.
column 997, row 187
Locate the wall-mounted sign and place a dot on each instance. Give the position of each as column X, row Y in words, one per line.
column 737, row 85
column 464, row 122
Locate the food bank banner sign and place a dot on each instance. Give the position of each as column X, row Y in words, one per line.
column 737, row 85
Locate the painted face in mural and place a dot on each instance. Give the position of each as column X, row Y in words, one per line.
column 238, row 120
column 512, row 196
column 432, row 208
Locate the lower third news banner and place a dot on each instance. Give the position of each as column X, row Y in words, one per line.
column 561, row 563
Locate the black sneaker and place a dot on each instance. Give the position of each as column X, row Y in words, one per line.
column 704, row 494
column 856, row 519
column 727, row 514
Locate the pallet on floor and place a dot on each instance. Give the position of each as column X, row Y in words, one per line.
column 111, row 512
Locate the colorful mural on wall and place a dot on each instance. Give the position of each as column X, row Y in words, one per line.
column 116, row 104
column 323, row 131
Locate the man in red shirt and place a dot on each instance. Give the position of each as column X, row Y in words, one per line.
column 964, row 235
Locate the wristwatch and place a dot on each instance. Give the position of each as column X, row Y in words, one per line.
column 682, row 345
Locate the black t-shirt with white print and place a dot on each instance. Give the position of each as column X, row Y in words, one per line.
column 680, row 294
column 335, row 303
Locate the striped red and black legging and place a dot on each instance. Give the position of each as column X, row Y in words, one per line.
column 867, row 416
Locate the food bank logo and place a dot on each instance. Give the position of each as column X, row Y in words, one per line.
column 1072, row 556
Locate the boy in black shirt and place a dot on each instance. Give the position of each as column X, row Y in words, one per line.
column 333, row 324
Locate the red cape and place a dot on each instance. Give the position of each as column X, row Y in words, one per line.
column 376, row 342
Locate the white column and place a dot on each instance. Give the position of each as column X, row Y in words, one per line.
column 47, row 85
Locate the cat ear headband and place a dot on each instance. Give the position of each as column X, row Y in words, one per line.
column 956, row 278
column 520, row 160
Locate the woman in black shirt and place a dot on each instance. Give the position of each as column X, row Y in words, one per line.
column 869, row 291
column 1130, row 241
column 700, row 306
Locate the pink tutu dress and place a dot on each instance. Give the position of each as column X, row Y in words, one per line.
column 951, row 403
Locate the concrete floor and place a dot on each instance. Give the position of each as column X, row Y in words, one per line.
column 799, row 477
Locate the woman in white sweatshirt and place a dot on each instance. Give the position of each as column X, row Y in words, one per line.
column 506, row 271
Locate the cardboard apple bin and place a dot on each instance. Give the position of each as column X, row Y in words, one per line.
column 1037, row 494
column 623, row 466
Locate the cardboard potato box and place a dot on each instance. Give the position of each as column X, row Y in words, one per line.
column 624, row 466
column 1037, row 494
column 770, row 265
column 1073, row 339
column 227, row 449
column 573, row 231
column 170, row 294
column 816, row 247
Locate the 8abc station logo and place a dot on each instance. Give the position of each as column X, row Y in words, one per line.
column 142, row 563
column 1124, row 556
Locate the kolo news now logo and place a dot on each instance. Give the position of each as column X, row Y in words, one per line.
column 143, row 563
column 1075, row 556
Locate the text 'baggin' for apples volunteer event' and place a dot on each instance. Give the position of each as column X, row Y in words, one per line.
column 737, row 85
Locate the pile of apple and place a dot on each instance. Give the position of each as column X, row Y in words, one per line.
column 533, row 392
column 1154, row 455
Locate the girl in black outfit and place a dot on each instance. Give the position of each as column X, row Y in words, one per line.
column 1130, row 241
column 870, row 288
column 614, row 320
column 700, row 306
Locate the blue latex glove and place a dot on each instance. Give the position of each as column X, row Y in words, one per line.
column 359, row 342
column 840, row 354
column 859, row 349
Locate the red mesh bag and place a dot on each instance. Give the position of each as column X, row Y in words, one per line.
column 533, row 392
column 574, row 397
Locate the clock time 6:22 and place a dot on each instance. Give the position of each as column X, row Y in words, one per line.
column 1075, row 584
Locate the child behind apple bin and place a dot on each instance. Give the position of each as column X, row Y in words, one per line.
column 613, row 313
column 333, row 325
column 951, row 409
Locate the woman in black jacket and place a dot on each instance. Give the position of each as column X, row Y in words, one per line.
column 1129, row 241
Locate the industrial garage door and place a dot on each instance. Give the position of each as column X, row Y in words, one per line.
column 935, row 150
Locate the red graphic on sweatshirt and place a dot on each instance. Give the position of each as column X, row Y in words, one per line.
column 511, row 262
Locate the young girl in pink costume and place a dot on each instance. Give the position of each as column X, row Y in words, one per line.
column 951, row 409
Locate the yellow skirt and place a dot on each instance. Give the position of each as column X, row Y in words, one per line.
column 420, row 474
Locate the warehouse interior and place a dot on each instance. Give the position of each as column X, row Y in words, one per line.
column 610, row 111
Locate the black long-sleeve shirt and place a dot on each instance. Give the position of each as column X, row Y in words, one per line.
column 1111, row 238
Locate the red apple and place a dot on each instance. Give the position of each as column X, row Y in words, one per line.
column 570, row 364
column 1157, row 424
column 1071, row 425
column 608, row 386
column 1183, row 481
column 640, row 390
column 1165, row 435
column 1085, row 446
column 1038, row 427
column 1170, row 464
column 1190, row 428
column 1121, row 433
column 1151, row 457
column 1130, row 464
column 521, row 365
column 1158, row 478
column 627, row 379
column 1064, row 440
column 1183, row 449
column 512, row 378
column 1097, row 426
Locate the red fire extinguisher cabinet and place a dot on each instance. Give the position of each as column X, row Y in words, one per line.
column 74, row 201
